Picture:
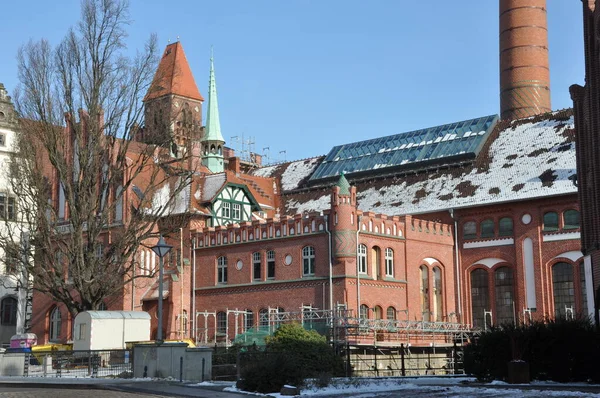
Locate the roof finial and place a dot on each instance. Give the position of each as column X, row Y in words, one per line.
column 177, row 37
column 169, row 41
column 211, row 54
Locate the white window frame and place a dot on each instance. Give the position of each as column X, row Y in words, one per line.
column 308, row 260
column 362, row 259
column 225, row 209
column 236, row 211
column 222, row 270
column 389, row 262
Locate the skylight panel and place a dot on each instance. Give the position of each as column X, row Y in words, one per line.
column 461, row 138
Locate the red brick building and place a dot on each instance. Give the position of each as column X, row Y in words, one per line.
column 467, row 224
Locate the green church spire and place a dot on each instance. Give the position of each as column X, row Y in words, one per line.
column 213, row 141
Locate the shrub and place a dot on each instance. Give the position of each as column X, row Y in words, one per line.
column 292, row 354
column 559, row 350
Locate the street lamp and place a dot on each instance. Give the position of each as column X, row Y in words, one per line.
column 161, row 249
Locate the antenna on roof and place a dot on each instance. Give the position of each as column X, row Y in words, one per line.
column 284, row 153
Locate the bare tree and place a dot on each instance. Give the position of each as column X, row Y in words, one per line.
column 88, row 194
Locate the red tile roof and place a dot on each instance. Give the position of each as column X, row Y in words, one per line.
column 174, row 76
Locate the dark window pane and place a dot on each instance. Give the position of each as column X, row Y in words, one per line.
column 487, row 229
column 479, row 296
column 564, row 294
column 551, row 221
column 571, row 219
column 506, row 226
column 470, row 230
column 503, row 279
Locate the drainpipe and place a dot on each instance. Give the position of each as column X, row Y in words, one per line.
column 456, row 266
column 193, row 314
column 357, row 268
column 330, row 265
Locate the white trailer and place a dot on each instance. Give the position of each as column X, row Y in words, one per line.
column 110, row 330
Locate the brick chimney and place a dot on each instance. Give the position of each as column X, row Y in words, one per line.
column 524, row 66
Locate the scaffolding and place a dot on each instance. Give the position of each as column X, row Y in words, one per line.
column 339, row 324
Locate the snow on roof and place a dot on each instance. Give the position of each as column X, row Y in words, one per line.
column 293, row 174
column 523, row 159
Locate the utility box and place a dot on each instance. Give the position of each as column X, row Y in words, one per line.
column 110, row 330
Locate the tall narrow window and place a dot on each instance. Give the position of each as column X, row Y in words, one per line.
column 11, row 209
column 225, row 209
column 222, row 269
column 119, row 203
column 391, row 313
column 271, row 264
column 564, row 290
column 249, row 319
column 479, row 296
column 571, row 219
column 506, row 227
column 263, row 317
column 470, row 230
column 503, row 281
column 235, row 211
column 61, row 202
column 389, row 262
column 9, row 311
column 487, row 229
column 362, row 259
column 424, row 293
column 364, row 312
column 55, row 324
column 221, row 323
column 3, row 200
column 256, row 266
column 438, row 294
column 308, row 260
column 376, row 261
column 551, row 221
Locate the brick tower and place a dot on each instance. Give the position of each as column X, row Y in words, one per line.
column 524, row 66
column 345, row 225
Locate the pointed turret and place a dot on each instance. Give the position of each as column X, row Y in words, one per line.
column 212, row 143
column 345, row 224
column 173, row 106
column 173, row 76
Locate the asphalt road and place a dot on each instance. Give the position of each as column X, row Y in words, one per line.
column 29, row 392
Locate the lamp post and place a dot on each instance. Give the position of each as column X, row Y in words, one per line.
column 161, row 249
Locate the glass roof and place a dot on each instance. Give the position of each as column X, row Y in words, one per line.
column 454, row 139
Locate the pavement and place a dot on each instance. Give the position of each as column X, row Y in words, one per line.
column 108, row 388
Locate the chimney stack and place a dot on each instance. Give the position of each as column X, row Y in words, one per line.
column 524, row 66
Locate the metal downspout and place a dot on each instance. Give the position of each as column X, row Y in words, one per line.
column 456, row 266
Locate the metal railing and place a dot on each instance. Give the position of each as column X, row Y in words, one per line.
column 107, row 363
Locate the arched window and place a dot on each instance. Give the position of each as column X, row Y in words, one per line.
column 376, row 261
column 308, row 260
column 391, row 313
column 221, row 322
column 263, row 317
column 505, row 226
column 503, row 286
column 249, row 319
column 362, row 259
column 479, row 296
column 55, row 324
column 389, row 262
column 438, row 301
column 551, row 221
column 571, row 219
column 364, row 312
column 564, row 290
column 8, row 310
column 470, row 230
column 424, row 293
column 378, row 312
column 222, row 269
column 256, row 265
column 487, row 229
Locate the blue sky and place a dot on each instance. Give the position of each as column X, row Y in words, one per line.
column 301, row 76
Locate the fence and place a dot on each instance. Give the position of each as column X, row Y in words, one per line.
column 115, row 363
column 370, row 361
